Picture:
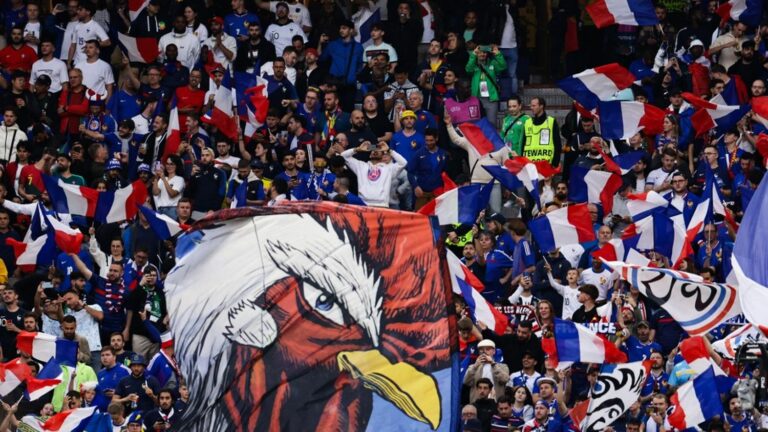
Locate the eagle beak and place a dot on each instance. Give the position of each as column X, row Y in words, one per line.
column 413, row 392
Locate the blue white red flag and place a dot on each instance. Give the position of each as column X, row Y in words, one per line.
column 482, row 135
column 74, row 420
column 12, row 374
column 599, row 84
column 750, row 258
column 623, row 119
column 466, row 284
column 694, row 352
column 45, row 381
column 746, row 11
column 43, row 347
column 223, row 114
column 593, row 186
column 626, row 12
column 710, row 115
column 695, row 402
column 577, row 343
column 162, row 225
column 121, row 204
column 460, row 205
column 139, row 49
column 71, row 199
column 562, row 227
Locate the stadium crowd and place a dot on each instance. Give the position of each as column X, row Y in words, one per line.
column 364, row 105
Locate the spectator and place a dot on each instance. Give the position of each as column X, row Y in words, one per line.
column 485, row 65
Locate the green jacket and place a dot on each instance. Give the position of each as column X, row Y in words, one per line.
column 512, row 134
column 496, row 66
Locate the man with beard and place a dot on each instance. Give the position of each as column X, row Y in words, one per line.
column 17, row 55
column 254, row 52
column 374, row 177
column 360, row 132
column 297, row 180
column 747, row 67
column 164, row 416
column 514, row 346
column 207, row 186
column 222, row 45
column 658, row 379
column 187, row 44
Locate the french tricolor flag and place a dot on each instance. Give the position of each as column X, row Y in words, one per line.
column 139, row 49
column 240, row 197
column 575, row 343
column 256, row 102
column 135, row 7
column 67, row 238
column 620, row 163
column 695, row 402
column 121, row 204
column 466, row 284
column 69, row 421
column 711, row 115
column 598, row 187
column 746, row 11
column 43, row 347
column 71, row 199
column 515, row 171
column 224, row 114
column 161, row 224
column 12, row 374
column 32, row 253
column 694, row 352
column 627, row 12
column 643, row 204
column 616, row 249
column 482, row 135
column 599, row 84
column 622, row 119
column 173, row 141
column 46, row 380
column 460, row 205
column 565, row 226
column 662, row 234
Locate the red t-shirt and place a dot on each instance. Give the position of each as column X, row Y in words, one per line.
column 185, row 98
column 32, row 179
column 13, row 59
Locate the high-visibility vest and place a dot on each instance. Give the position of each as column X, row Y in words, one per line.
column 539, row 140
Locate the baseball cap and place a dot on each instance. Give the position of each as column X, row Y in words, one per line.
column 217, row 19
column 144, row 168
column 347, row 23
column 407, row 113
column 138, row 359
column 643, row 323
column 695, row 42
column 134, row 418
column 218, row 68
column 486, row 343
column 257, row 164
column 546, row 379
column 590, row 290
column 312, row 51
column 496, row 217
column 43, row 79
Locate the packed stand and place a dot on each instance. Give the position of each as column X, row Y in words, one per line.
column 190, row 108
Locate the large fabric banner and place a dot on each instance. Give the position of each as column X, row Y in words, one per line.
column 314, row 317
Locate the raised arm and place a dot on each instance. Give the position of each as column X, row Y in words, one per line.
column 87, row 273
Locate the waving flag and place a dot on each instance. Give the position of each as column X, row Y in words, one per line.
column 616, row 249
column 161, row 224
column 240, row 197
column 364, row 20
column 643, row 204
column 223, row 114
column 729, row 345
column 694, row 352
column 162, row 367
column 67, row 238
column 519, row 170
column 12, row 374
column 30, row 255
column 43, row 347
column 139, row 49
column 70, row 199
column 135, row 7
column 750, row 258
column 695, row 402
column 627, row 12
column 658, row 232
column 466, row 284
column 746, row 11
column 460, row 205
column 565, row 226
column 46, row 380
column 710, row 115
column 697, row 306
column 711, row 193
column 599, row 84
column 173, row 141
column 623, row 163
column 578, row 344
column 597, row 187
column 482, row 135
column 623, row 119
column 617, row 387
column 252, row 100
column 74, row 420
column 388, row 333
column 121, row 204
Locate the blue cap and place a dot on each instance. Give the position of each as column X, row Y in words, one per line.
column 135, row 417
column 114, row 164
column 144, row 168
column 138, row 359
